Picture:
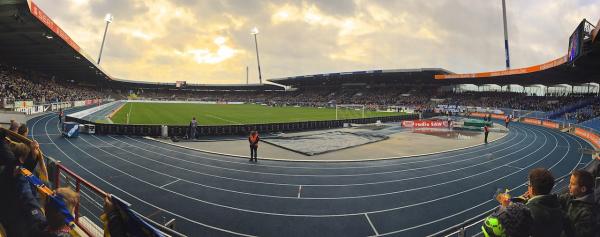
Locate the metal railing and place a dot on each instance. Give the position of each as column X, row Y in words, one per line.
column 560, row 186
column 91, row 201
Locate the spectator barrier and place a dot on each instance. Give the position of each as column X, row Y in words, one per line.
column 561, row 184
column 90, row 206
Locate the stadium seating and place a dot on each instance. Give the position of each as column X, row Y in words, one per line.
column 18, row 85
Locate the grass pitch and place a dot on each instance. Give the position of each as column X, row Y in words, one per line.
column 215, row 114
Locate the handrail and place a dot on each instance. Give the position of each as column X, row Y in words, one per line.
column 459, row 228
column 79, row 181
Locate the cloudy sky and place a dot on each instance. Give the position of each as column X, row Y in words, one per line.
column 209, row 41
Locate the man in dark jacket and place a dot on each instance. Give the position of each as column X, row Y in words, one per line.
column 579, row 205
column 253, row 139
column 486, row 132
column 548, row 218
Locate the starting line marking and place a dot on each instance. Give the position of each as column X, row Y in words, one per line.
column 172, row 182
column 372, row 226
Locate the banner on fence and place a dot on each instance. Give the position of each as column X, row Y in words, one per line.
column 425, row 124
column 590, row 136
column 550, row 124
column 484, row 115
column 532, row 121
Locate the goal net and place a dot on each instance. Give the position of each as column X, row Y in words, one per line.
column 350, row 111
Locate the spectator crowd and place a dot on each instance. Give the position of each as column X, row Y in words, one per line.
column 22, row 86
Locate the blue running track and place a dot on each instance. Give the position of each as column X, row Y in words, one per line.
column 213, row 195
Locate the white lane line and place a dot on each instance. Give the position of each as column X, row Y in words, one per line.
column 189, row 170
column 514, row 167
column 371, row 195
column 299, row 190
column 322, row 175
column 492, row 181
column 330, row 185
column 133, row 196
column 371, row 223
column 172, row 182
column 516, row 135
column 334, row 215
column 171, row 176
column 297, row 215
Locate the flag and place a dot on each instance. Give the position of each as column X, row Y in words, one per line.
column 53, row 199
column 133, row 224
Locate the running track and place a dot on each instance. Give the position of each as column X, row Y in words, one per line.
column 213, row 195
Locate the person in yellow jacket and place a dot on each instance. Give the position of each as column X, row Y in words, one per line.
column 253, row 139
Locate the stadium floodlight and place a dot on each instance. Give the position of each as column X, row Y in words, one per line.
column 255, row 32
column 505, row 35
column 108, row 18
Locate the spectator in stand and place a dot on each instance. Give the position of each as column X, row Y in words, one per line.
column 23, row 130
column 14, row 126
column 56, row 225
column 513, row 220
column 579, row 204
column 548, row 218
column 29, row 86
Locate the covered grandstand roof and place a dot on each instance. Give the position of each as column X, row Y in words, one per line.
column 583, row 70
column 120, row 83
column 399, row 76
column 30, row 39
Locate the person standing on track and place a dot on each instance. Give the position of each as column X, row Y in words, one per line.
column 193, row 127
column 61, row 116
column 486, row 131
column 506, row 121
column 254, row 139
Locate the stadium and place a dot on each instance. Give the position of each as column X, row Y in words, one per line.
column 386, row 152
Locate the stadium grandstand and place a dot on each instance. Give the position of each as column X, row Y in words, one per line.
column 167, row 178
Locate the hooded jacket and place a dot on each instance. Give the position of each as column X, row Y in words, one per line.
column 548, row 217
column 581, row 213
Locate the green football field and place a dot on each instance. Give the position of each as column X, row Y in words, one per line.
column 215, row 114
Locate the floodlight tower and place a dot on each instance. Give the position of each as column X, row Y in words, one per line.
column 108, row 18
column 255, row 32
column 505, row 34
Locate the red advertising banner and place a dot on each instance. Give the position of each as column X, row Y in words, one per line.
column 587, row 135
column 532, row 121
column 425, row 124
column 484, row 115
column 550, row 124
column 40, row 15
column 89, row 102
column 536, row 68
